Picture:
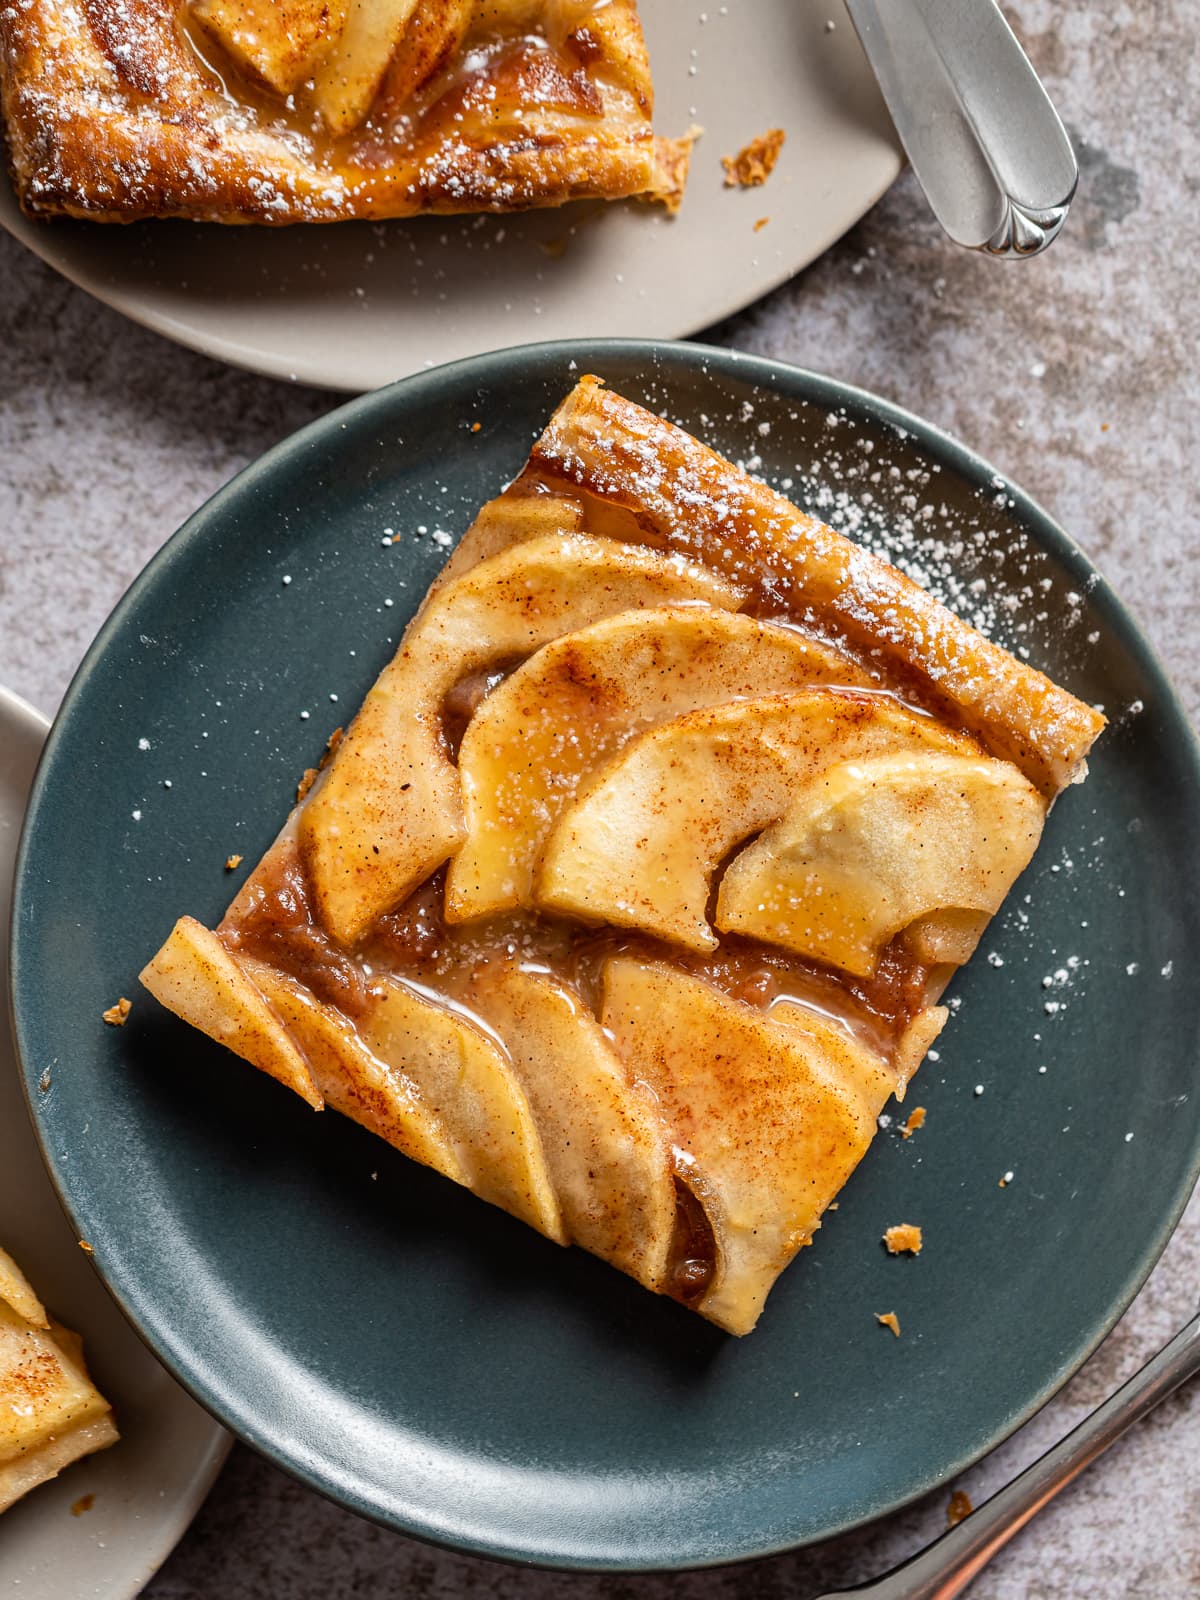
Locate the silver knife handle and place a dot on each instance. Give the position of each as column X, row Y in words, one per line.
column 978, row 127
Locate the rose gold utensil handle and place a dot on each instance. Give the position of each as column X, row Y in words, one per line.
column 946, row 1567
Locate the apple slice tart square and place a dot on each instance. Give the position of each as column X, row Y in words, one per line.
column 629, row 895
column 282, row 111
column 51, row 1413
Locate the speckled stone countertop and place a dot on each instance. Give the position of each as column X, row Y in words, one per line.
column 1075, row 373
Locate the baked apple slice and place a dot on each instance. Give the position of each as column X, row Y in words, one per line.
column 348, row 79
column 431, row 41
column 196, row 976
column 639, row 849
column 279, row 42
column 605, row 1144
column 378, row 1094
column 869, row 846
column 17, row 1290
column 504, row 523
column 468, row 1080
column 775, row 1118
column 51, row 1413
column 388, row 811
column 542, row 733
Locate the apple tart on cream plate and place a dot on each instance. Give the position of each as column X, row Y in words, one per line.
column 628, row 897
column 279, row 111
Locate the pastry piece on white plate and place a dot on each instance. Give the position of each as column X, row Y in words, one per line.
column 51, row 1413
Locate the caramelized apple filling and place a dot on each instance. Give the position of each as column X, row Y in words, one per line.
column 373, row 72
column 693, row 1257
column 628, row 896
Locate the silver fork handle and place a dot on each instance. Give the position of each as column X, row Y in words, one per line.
column 947, row 1566
column 979, row 129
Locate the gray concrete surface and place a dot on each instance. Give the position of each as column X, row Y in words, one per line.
column 1076, row 373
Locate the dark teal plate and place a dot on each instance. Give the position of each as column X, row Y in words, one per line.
column 414, row 1353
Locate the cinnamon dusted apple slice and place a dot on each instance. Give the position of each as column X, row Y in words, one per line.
column 506, row 522
column 388, row 811
column 51, row 1413
column 348, row 79
column 538, row 736
column 866, row 1071
column 640, row 847
column 17, row 1290
column 605, row 1144
column 431, row 41
column 774, row 1117
column 278, row 41
column 197, row 978
column 870, row 845
column 468, row 1081
column 376, row 1093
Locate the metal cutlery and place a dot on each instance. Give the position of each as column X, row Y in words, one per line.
column 978, row 127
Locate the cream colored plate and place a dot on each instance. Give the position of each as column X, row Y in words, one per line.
column 148, row 1487
column 354, row 305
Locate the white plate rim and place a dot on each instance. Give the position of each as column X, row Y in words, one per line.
column 128, row 1576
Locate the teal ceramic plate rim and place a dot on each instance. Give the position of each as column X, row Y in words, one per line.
column 409, row 394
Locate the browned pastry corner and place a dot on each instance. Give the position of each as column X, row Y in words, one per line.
column 279, row 111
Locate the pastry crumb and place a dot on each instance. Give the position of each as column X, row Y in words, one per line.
column 1005, row 1181
column 475, row 427
column 117, row 1015
column 889, row 1319
column 84, row 1503
column 306, row 783
column 761, row 224
column 960, row 1506
column 753, row 165
column 905, row 1237
column 232, row 863
column 86, row 1248
column 916, row 1119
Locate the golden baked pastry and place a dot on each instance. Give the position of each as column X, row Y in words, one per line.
column 276, row 111
column 51, row 1413
column 629, row 894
